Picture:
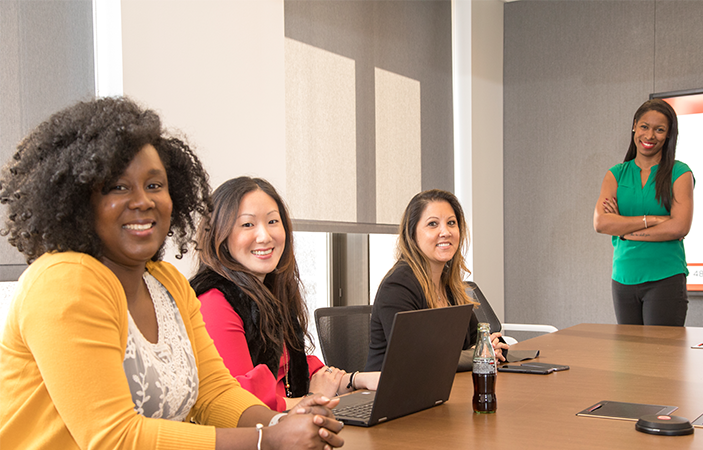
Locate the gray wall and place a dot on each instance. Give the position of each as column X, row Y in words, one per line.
column 46, row 63
column 574, row 74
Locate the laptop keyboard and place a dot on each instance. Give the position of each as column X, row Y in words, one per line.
column 355, row 411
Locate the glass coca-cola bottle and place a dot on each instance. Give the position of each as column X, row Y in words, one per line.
column 484, row 372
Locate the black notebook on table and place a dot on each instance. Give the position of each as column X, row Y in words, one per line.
column 418, row 368
column 606, row 409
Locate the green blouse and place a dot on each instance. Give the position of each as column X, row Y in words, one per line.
column 636, row 262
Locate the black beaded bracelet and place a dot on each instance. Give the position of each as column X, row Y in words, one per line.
column 351, row 381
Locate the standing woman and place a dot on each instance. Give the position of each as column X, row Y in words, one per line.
column 428, row 272
column 104, row 345
column 646, row 204
column 250, row 291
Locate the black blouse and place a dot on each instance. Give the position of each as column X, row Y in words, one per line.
column 400, row 291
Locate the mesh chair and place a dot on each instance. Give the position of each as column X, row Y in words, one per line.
column 485, row 313
column 343, row 332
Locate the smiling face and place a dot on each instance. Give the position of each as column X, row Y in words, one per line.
column 651, row 131
column 133, row 218
column 258, row 238
column 437, row 234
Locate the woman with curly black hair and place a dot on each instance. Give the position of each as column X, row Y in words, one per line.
column 102, row 337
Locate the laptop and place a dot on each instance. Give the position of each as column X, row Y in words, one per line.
column 418, row 368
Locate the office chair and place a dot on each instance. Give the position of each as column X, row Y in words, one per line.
column 343, row 332
column 485, row 313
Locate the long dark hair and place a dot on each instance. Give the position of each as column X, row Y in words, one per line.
column 409, row 251
column 662, row 181
column 278, row 297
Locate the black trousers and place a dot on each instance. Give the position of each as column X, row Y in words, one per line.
column 662, row 302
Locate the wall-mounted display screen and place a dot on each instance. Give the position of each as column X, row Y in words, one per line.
column 689, row 110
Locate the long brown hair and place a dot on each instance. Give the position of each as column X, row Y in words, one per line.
column 409, row 251
column 278, row 297
column 662, row 180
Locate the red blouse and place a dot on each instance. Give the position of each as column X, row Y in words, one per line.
column 226, row 328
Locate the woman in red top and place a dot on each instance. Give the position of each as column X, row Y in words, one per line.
column 249, row 286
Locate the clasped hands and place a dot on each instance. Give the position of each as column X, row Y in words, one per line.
column 325, row 384
column 296, row 426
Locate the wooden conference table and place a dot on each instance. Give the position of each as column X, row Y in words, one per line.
column 626, row 363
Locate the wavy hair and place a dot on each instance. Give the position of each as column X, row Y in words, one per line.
column 662, row 180
column 409, row 251
column 47, row 185
column 279, row 296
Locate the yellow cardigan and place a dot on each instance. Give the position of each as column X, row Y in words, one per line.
column 62, row 384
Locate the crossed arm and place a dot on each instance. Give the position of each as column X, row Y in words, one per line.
column 607, row 218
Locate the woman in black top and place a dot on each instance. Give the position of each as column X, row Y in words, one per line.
column 428, row 272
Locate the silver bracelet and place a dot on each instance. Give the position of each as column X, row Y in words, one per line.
column 645, row 220
column 260, row 430
column 275, row 419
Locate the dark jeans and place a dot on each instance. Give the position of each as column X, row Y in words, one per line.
column 662, row 302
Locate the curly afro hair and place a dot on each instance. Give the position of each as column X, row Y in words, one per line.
column 47, row 185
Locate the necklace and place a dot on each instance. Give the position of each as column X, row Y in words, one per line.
column 285, row 369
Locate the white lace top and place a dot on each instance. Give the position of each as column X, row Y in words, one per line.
column 163, row 377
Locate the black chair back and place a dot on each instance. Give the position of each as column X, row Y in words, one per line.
column 484, row 313
column 343, row 332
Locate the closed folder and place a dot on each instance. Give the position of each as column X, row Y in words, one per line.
column 606, row 409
